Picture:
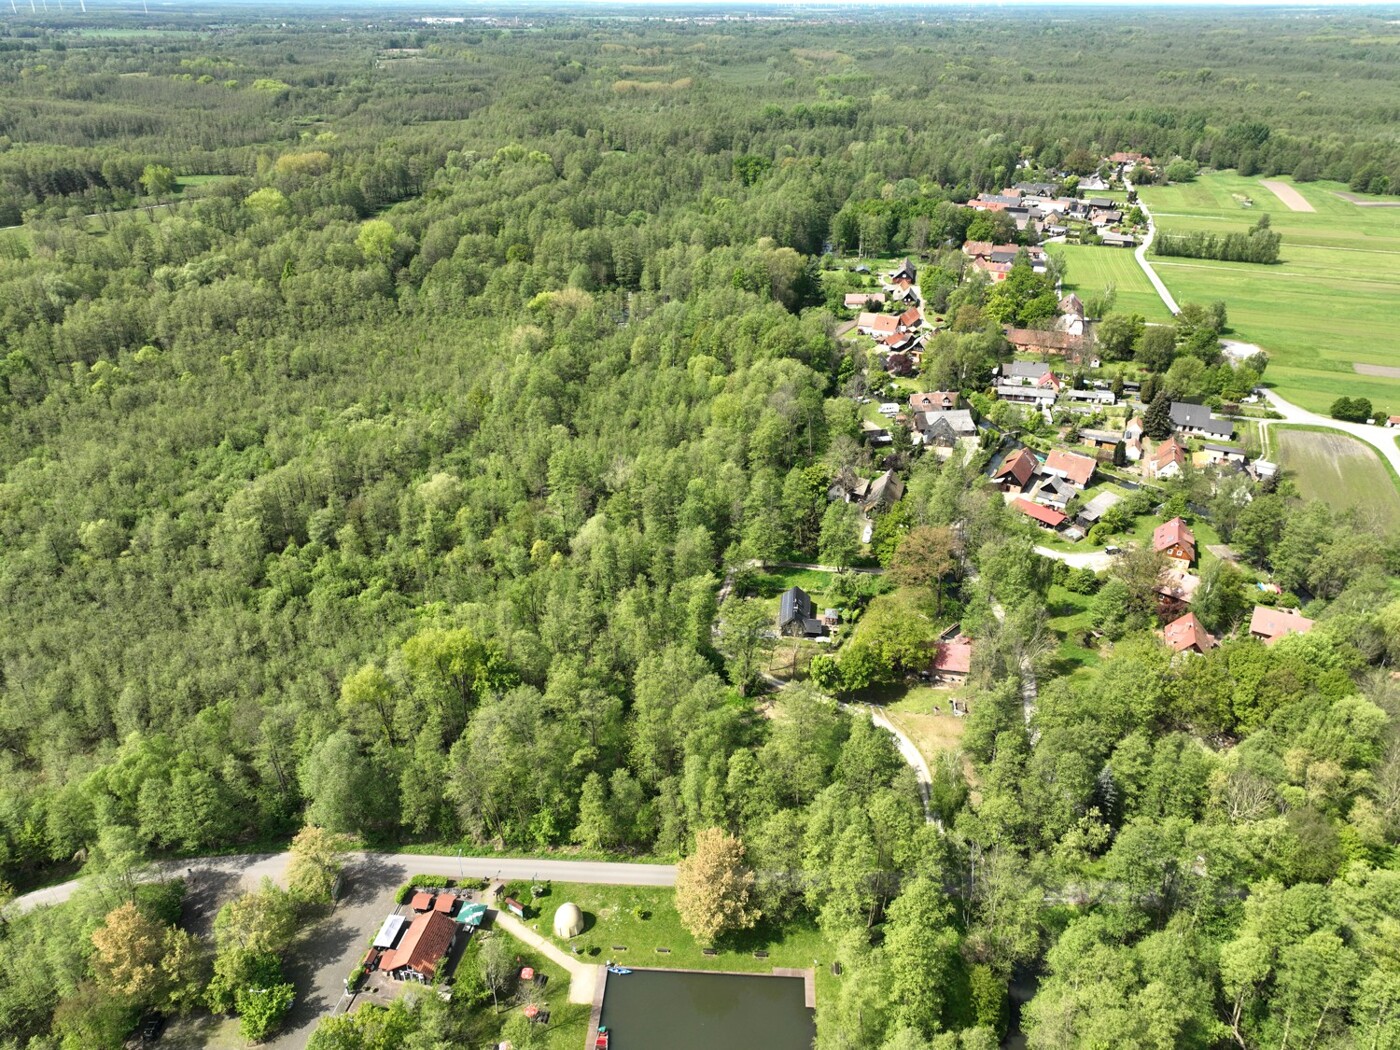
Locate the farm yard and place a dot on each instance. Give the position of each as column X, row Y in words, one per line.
column 1339, row 470
column 1329, row 304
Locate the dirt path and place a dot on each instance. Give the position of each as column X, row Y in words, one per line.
column 1288, row 194
column 583, row 977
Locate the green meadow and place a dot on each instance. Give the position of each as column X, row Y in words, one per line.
column 1331, row 302
column 1089, row 269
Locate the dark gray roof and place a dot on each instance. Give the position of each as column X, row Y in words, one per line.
column 794, row 605
column 1025, row 369
column 1199, row 417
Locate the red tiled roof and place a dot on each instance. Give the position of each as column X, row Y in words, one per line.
column 424, row 945
column 1187, row 633
column 1044, row 515
column 1020, row 465
column 1047, row 340
column 421, row 901
column 886, row 323
column 953, row 657
column 910, row 317
column 445, row 903
column 1169, row 452
column 977, row 248
column 861, row 298
column 1173, row 533
column 1273, row 624
column 934, row 401
column 1077, row 469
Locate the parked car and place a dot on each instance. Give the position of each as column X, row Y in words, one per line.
column 1112, row 550
column 151, row 1027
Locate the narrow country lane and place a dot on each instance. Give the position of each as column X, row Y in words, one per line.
column 1141, row 253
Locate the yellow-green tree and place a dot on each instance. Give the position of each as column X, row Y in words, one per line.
column 714, row 888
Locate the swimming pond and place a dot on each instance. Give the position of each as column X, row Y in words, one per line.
column 675, row 1010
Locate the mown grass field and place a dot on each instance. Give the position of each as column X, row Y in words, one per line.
column 1339, row 470
column 1329, row 303
column 1089, row 269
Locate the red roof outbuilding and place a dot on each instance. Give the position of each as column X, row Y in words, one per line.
column 421, row 901
column 1045, row 515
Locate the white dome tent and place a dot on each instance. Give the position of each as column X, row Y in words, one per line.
column 568, row 921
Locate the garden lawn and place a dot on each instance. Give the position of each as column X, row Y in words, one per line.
column 1339, row 470
column 1090, row 268
column 612, row 917
column 1329, row 303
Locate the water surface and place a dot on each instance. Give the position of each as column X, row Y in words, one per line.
column 665, row 1010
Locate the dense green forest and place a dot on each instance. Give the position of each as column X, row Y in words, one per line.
column 382, row 407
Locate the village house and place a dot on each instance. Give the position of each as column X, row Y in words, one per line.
column 911, row 320
column 1132, row 439
column 1176, row 540
column 1017, row 470
column 1185, row 634
column 1053, row 491
column 943, row 429
column 1189, row 418
column 1093, row 396
column 885, row 492
column 1077, row 470
column 864, row 300
column 1168, row 460
column 935, row 401
column 1269, row 624
column 1029, row 373
column 1072, row 320
column 1176, row 588
column 1045, row 517
column 952, row 660
column 1026, row 395
column 1225, row 454
column 1044, row 341
column 904, row 272
column 874, row 324
column 422, row 948
column 1117, row 240
column 797, row 617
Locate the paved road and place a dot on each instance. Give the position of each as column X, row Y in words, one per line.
column 1382, row 439
column 249, row 869
column 1096, row 560
column 1141, row 253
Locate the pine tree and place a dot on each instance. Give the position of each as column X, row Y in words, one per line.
column 1157, row 420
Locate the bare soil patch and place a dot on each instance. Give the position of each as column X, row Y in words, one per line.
column 1384, row 371
column 1360, row 203
column 1286, row 193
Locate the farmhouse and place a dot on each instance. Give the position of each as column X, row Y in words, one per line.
column 1016, row 471
column 903, row 272
column 1175, row 539
column 419, row 954
column 1190, row 418
column 864, row 300
column 797, row 616
column 1053, row 491
column 1168, row 460
column 943, row 429
column 1185, row 634
column 1075, row 469
column 935, row 401
column 1270, row 624
column 1117, row 240
column 1043, row 341
column 1175, row 590
column 877, row 324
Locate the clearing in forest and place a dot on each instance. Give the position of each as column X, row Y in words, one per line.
column 1328, row 303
